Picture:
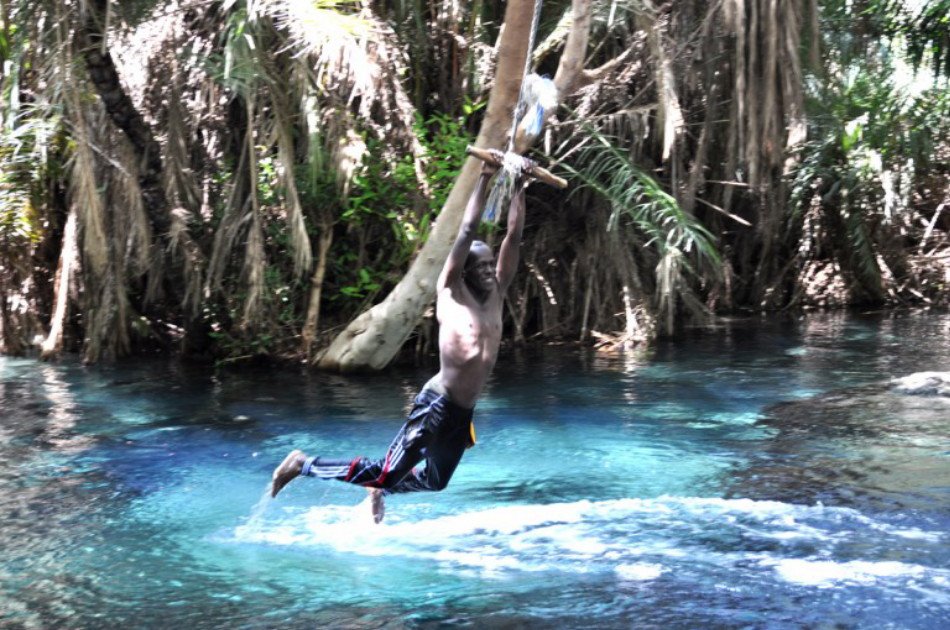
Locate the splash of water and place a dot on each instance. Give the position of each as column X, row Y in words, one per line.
column 255, row 521
column 639, row 539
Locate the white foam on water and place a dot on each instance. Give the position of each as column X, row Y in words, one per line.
column 720, row 418
column 911, row 533
column 639, row 572
column 636, row 538
column 703, row 425
column 826, row 573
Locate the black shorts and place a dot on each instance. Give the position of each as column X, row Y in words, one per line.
column 437, row 431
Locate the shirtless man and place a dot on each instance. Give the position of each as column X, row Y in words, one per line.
column 471, row 290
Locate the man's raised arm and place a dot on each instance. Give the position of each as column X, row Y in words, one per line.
column 510, row 250
column 455, row 263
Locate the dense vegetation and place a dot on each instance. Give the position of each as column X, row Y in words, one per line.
column 247, row 177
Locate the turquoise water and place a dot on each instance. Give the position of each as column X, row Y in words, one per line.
column 659, row 489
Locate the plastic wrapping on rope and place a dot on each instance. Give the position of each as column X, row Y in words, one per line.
column 496, row 199
column 539, row 95
column 520, row 108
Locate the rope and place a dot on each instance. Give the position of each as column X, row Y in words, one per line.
column 511, row 168
column 519, row 108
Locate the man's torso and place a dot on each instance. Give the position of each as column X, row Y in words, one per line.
column 469, row 336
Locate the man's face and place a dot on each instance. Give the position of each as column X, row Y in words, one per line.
column 480, row 270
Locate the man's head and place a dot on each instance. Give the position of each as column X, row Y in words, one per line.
column 479, row 271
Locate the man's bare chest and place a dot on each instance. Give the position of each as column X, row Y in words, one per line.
column 469, row 317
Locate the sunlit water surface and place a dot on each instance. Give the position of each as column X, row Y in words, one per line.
column 666, row 489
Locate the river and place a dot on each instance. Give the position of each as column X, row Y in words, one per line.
column 757, row 473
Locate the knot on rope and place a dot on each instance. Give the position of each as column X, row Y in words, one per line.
column 511, row 169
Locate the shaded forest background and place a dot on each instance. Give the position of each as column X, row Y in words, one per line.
column 235, row 179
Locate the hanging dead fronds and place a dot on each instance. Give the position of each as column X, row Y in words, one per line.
column 660, row 224
column 299, row 239
column 669, row 114
column 84, row 187
column 65, row 273
column 183, row 247
column 768, row 95
column 133, row 231
column 254, row 263
column 254, row 258
column 356, row 59
column 181, row 185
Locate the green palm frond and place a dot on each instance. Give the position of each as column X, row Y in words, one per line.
column 929, row 35
column 635, row 195
column 686, row 251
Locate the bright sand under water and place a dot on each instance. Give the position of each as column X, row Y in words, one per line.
column 660, row 489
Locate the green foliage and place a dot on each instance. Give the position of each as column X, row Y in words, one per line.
column 17, row 216
column 23, row 139
column 445, row 141
column 237, row 68
column 660, row 223
column 22, row 163
column 365, row 284
column 928, row 35
column 384, row 220
column 268, row 182
column 274, row 334
column 638, row 197
column 923, row 26
column 386, row 197
column 840, row 173
column 239, row 64
column 868, row 127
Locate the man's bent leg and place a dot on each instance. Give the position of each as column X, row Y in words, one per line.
column 441, row 462
column 408, row 448
column 405, row 452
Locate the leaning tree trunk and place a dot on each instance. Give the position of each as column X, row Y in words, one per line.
column 373, row 338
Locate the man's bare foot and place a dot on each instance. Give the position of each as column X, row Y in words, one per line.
column 288, row 470
column 376, row 504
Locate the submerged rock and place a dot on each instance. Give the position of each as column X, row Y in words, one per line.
column 924, row 384
column 871, row 445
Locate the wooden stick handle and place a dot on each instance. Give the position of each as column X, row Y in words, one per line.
column 495, row 159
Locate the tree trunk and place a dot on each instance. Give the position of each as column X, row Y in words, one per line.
column 571, row 65
column 53, row 344
column 669, row 113
column 309, row 332
column 122, row 112
column 185, row 260
column 6, row 346
column 374, row 337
